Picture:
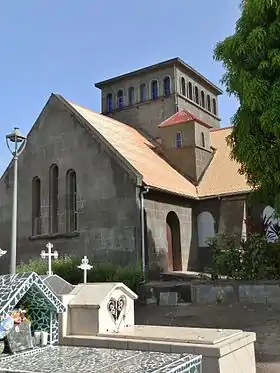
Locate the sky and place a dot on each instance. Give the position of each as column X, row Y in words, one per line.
column 65, row 46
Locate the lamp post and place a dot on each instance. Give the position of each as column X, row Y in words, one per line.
column 16, row 143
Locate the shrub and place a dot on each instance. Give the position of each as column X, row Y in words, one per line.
column 102, row 272
column 250, row 259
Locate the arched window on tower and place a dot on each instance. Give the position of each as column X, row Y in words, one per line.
column 36, row 206
column 109, row 102
column 143, row 92
column 202, row 99
column 71, row 204
column 196, row 95
column 120, row 99
column 208, row 103
column 183, row 86
column 214, row 103
column 130, row 96
column 154, row 90
column 53, row 199
column 166, row 86
column 202, row 140
column 190, row 91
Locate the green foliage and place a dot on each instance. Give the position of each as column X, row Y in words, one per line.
column 253, row 259
column 102, row 272
column 251, row 57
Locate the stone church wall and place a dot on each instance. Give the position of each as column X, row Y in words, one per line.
column 157, row 207
column 107, row 204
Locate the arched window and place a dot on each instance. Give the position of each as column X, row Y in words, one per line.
column 143, row 92
column 208, row 103
column 183, row 86
column 109, row 102
column 120, row 99
column 131, row 96
column 214, row 103
column 71, row 204
column 173, row 238
column 166, row 86
column 190, row 91
column 178, row 140
column 205, row 228
column 196, row 95
column 202, row 140
column 36, row 206
column 154, row 90
column 202, row 99
column 272, row 223
column 53, row 199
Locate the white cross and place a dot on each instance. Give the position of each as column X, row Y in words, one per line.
column 49, row 255
column 85, row 266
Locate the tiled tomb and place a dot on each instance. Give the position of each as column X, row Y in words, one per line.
column 107, row 320
column 60, row 359
column 27, row 291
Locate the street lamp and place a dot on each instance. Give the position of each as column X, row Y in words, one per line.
column 16, row 143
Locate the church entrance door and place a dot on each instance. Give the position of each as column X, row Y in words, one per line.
column 173, row 235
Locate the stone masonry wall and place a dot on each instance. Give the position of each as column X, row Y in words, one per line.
column 108, row 210
column 157, row 207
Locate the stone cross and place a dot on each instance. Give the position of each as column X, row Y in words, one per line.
column 85, row 266
column 49, row 255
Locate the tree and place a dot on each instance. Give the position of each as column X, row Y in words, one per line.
column 251, row 57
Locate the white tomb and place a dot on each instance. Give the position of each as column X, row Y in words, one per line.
column 102, row 315
column 96, row 308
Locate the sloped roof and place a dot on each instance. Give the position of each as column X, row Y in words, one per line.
column 14, row 288
column 183, row 116
column 221, row 176
column 57, row 284
column 96, row 293
column 139, row 152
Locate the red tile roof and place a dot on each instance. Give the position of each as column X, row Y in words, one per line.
column 182, row 116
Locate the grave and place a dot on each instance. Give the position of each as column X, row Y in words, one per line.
column 102, row 315
column 28, row 312
column 98, row 308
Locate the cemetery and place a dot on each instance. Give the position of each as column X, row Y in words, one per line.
column 47, row 324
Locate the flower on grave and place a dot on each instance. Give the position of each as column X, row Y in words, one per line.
column 5, row 326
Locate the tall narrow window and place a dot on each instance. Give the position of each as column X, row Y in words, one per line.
column 36, row 206
column 166, row 86
column 183, row 86
column 143, row 92
column 202, row 140
column 202, row 99
column 190, row 91
column 208, row 103
column 131, row 96
column 196, row 95
column 154, row 90
column 71, row 203
column 120, row 99
column 109, row 102
column 214, row 106
column 53, row 199
column 178, row 140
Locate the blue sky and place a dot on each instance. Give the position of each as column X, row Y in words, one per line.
column 65, row 46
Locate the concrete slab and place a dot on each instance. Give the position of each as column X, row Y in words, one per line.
column 176, row 334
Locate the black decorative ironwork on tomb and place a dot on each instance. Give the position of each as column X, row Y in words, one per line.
column 116, row 306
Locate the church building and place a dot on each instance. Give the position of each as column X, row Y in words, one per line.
column 148, row 180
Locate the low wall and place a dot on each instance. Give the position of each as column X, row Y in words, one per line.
column 230, row 291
